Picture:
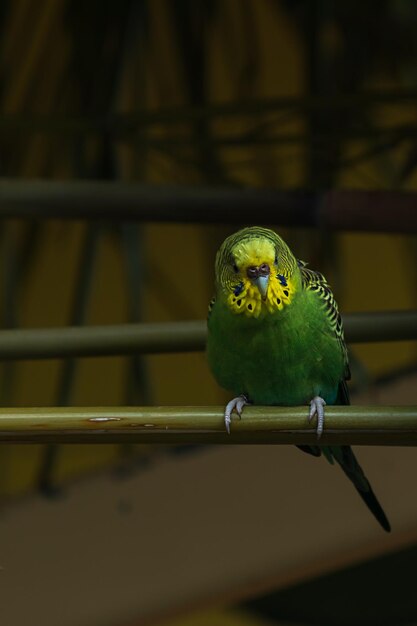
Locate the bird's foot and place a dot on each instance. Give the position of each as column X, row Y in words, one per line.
column 237, row 405
column 317, row 406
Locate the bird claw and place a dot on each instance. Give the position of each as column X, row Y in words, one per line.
column 237, row 405
column 317, row 406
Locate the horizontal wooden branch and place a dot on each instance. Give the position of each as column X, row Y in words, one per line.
column 358, row 425
column 374, row 210
column 46, row 343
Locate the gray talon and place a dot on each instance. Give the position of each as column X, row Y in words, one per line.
column 227, row 424
column 237, row 405
column 317, row 406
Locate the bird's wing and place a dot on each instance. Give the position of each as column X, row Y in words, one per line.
column 314, row 281
column 343, row 455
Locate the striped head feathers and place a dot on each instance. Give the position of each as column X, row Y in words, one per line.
column 256, row 272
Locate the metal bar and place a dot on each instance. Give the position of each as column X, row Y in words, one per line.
column 356, row 425
column 396, row 133
column 380, row 326
column 45, row 343
column 379, row 211
column 190, row 336
column 128, row 122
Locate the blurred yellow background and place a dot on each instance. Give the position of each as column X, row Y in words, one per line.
column 128, row 91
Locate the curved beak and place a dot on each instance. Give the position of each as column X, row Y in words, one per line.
column 262, row 283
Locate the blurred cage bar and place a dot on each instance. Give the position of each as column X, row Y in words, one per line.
column 340, row 210
column 187, row 336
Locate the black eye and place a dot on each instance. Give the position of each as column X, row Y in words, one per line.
column 276, row 260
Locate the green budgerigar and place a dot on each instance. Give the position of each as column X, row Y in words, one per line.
column 275, row 337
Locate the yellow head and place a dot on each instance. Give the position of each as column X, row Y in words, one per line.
column 256, row 272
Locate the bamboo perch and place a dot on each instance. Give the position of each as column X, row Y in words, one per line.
column 46, row 343
column 356, row 425
column 377, row 211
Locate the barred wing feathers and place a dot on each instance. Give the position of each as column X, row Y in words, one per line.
column 315, row 281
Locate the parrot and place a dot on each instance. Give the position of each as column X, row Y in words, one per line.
column 275, row 337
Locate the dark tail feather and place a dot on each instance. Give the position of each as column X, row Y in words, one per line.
column 349, row 464
column 313, row 450
column 344, row 456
